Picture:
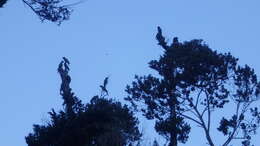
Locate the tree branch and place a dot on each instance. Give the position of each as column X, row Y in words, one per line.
column 30, row 6
column 197, row 100
column 203, row 125
column 208, row 109
column 190, row 118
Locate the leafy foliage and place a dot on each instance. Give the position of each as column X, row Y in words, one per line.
column 226, row 124
column 164, row 127
column 101, row 122
column 51, row 10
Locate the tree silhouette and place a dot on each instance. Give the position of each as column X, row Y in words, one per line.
column 192, row 82
column 102, row 122
column 160, row 96
column 51, row 10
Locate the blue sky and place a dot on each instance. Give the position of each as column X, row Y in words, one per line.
column 115, row 38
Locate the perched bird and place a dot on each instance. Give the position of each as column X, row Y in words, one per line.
column 66, row 64
column 159, row 34
column 175, row 42
column 103, row 87
column 60, row 66
column 161, row 39
column 66, row 60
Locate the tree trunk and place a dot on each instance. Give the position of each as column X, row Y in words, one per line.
column 173, row 134
column 173, row 139
column 210, row 142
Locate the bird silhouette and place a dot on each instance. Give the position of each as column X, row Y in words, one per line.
column 60, row 66
column 66, row 64
column 66, row 60
column 159, row 33
column 161, row 39
column 104, row 86
column 105, row 82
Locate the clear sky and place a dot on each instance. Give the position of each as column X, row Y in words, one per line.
column 112, row 37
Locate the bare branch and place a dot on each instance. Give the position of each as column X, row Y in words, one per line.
column 208, row 109
column 190, row 118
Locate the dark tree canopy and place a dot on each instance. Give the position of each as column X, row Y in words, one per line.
column 102, row 122
column 192, row 82
column 51, row 10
